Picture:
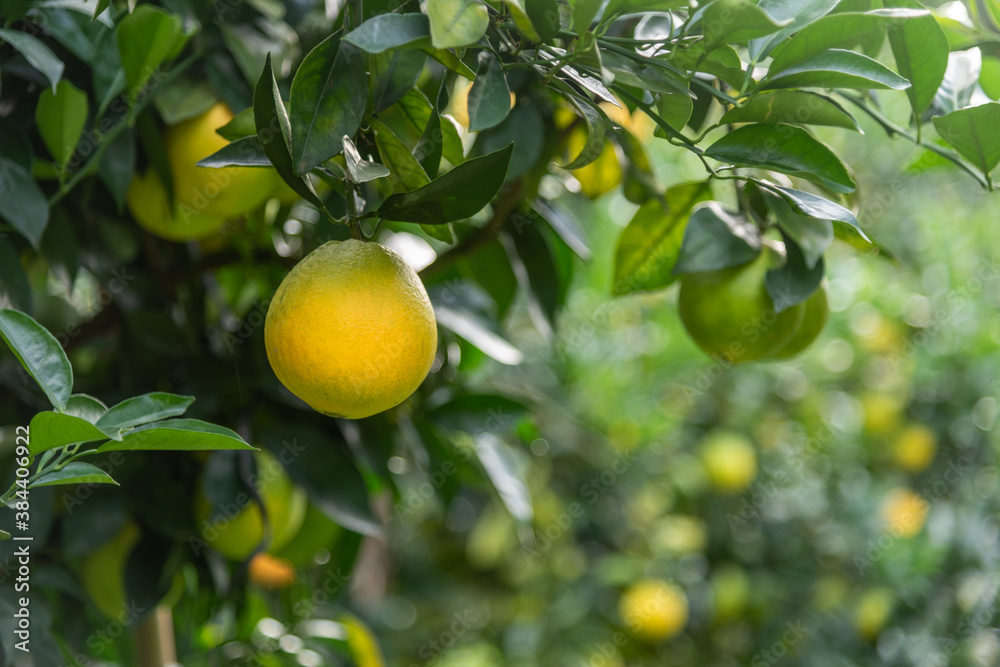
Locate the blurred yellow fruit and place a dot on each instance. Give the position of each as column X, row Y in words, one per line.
column 914, row 448
column 637, row 122
column 873, row 611
column 680, row 534
column 882, row 412
column 270, row 572
column 236, row 532
column 350, row 330
column 362, row 643
column 730, row 461
column 103, row 571
column 654, row 610
column 730, row 592
column 904, row 511
column 458, row 103
column 600, row 176
column 317, row 532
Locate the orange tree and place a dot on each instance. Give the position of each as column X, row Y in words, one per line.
column 164, row 165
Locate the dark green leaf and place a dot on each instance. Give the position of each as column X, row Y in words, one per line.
column 650, row 244
column 973, row 133
column 459, row 194
column 50, row 430
column 60, row 118
column 814, row 206
column 920, row 48
column 456, row 23
column 143, row 410
column 22, row 202
column 721, row 61
column 148, row 37
column 117, row 166
column 392, row 75
column 182, row 98
column 534, row 267
column 794, row 107
column 430, row 145
column 728, row 21
column 405, row 173
column 597, row 130
column 468, row 326
column 15, row 290
column 273, row 131
column 360, row 169
column 716, row 238
column 76, row 472
column 36, row 53
column 836, row 68
column 101, row 6
column 176, row 435
column 40, row 354
column 245, row 152
column 242, row 125
column 489, row 97
column 391, row 31
column 784, row 148
column 644, row 76
column 794, row 281
column 327, row 101
column 544, row 15
column 812, row 235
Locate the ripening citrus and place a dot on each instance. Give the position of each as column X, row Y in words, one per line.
column 730, row 461
column 730, row 315
column 914, row 448
column 904, row 511
column 883, row 412
column 873, row 611
column 236, row 532
column 361, row 642
column 350, row 330
column 204, row 198
column 654, row 610
column 317, row 532
column 458, row 104
column 600, row 176
column 270, row 572
column 817, row 310
column 103, row 571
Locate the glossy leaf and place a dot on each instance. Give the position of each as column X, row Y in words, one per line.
column 650, row 244
column 534, row 268
column 50, row 430
column 792, row 107
column 837, row 68
column 717, row 238
column 392, row 74
column 812, row 235
column 784, row 148
column 391, row 31
column 597, row 131
column 794, row 281
column 40, row 354
column 544, row 16
column 973, row 133
column 452, row 62
column 798, row 13
column 645, row 77
column 148, row 37
column 502, row 468
column 60, row 117
column 405, row 173
column 245, row 152
column 565, row 224
column 75, row 472
column 86, row 407
column 360, row 169
column 22, row 202
column 459, row 194
column 456, row 23
column 241, row 125
column 728, row 21
column 36, row 53
column 464, row 324
column 430, row 146
column 489, row 96
column 143, row 410
column 327, row 101
column 177, row 435
column 920, row 48
column 814, row 206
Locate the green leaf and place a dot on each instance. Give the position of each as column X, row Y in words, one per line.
column 489, row 97
column 836, row 68
column 799, row 13
column 716, row 238
column 544, row 16
column 459, row 194
column 521, row 20
column 722, row 61
column 502, row 468
column 142, row 410
column 989, row 77
column 182, row 98
column 40, row 354
column 241, row 125
column 813, row 235
column 794, row 281
column 584, row 13
column 391, row 31
column 784, row 148
column 50, row 430
column 814, row 206
column 645, row 77
column 534, row 268
column 86, row 407
column 60, row 117
column 451, row 61
column 245, row 152
column 101, row 6
column 361, row 170
column 463, row 323
column 920, row 48
column 650, row 244
column 597, row 131
column 675, row 109
column 327, row 101
column 565, row 224
column 429, row 147
column 729, row 21
column 405, row 173
column 973, row 133
column 797, row 107
column 117, row 166
column 836, row 31
column 75, row 472
column 22, row 202
column 274, row 132
column 147, row 38
column 177, row 435
column 456, row 23
column 36, row 53
column 15, row 290
column 393, row 74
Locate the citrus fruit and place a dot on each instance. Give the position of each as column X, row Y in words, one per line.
column 654, row 610
column 350, row 330
column 600, row 176
column 204, row 198
column 816, row 312
column 102, row 571
column 873, row 611
column 883, row 412
column 270, row 572
column 904, row 511
column 914, row 448
column 730, row 461
column 317, row 532
column 730, row 315
column 361, row 642
column 236, row 532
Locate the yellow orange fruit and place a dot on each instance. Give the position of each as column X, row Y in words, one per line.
column 730, row 461
column 654, row 610
column 904, row 511
column 102, row 571
column 271, row 572
column 873, row 612
column 914, row 448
